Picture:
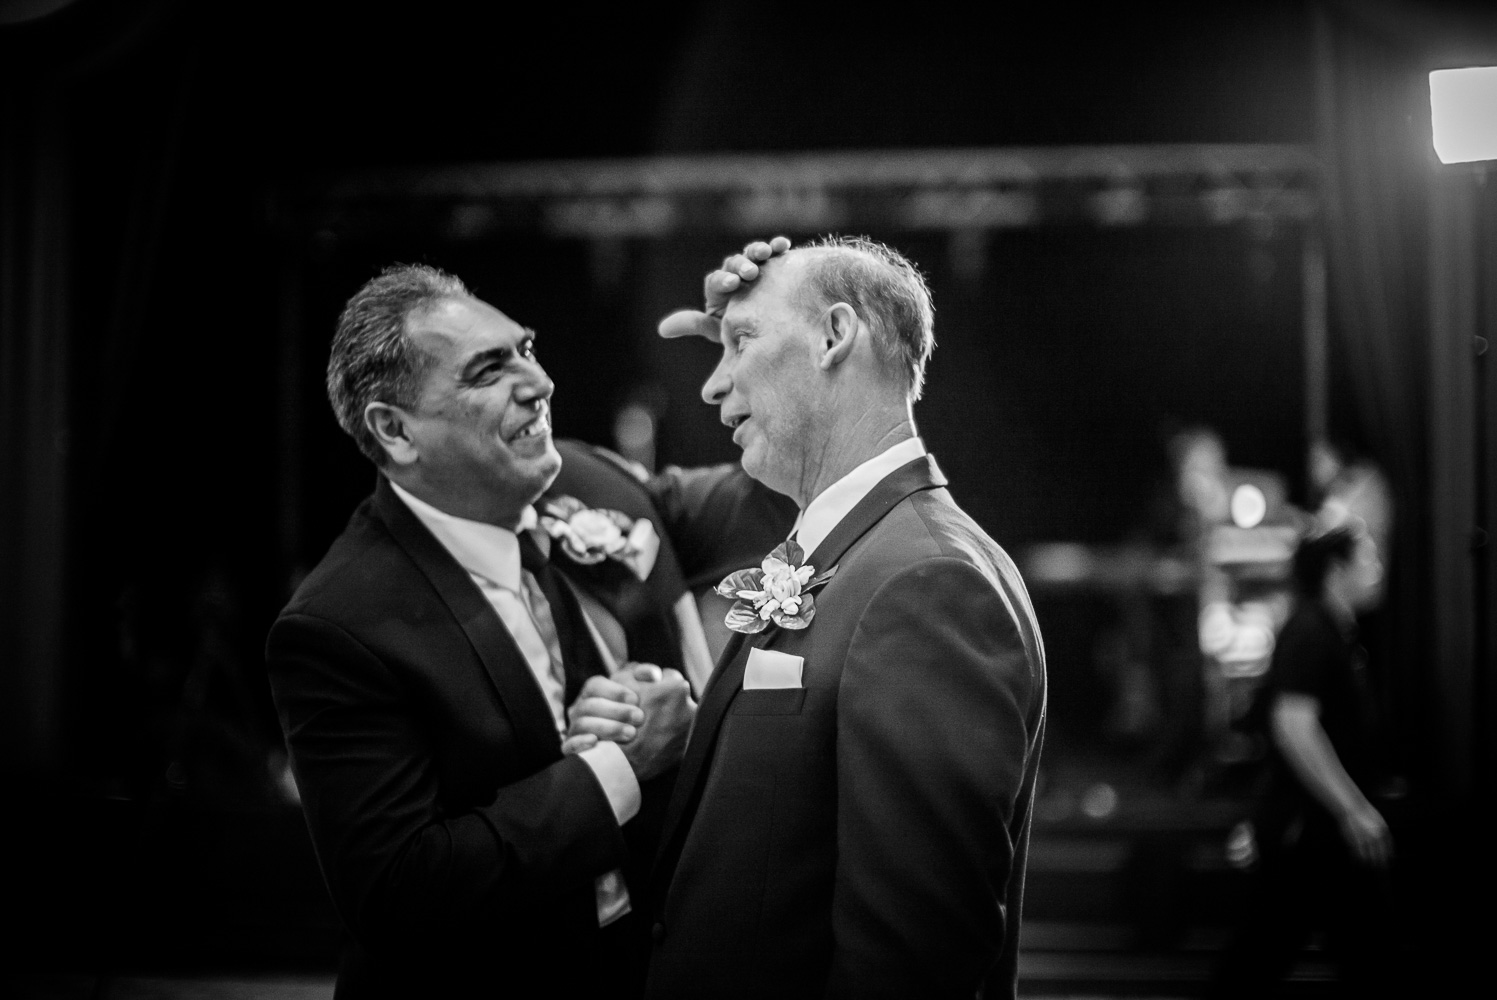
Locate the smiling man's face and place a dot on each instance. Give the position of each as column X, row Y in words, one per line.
column 482, row 426
column 766, row 384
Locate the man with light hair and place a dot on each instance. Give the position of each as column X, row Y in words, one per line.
column 852, row 813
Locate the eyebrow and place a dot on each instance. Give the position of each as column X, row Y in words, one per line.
column 503, row 355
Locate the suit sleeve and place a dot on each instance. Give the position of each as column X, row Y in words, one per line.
column 934, row 733
column 719, row 519
column 401, row 867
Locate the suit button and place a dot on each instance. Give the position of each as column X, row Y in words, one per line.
column 657, row 933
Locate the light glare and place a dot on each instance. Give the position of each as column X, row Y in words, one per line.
column 1249, row 506
column 1463, row 111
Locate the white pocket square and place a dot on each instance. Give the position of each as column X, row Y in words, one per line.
column 769, row 669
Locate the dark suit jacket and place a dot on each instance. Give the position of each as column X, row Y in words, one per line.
column 599, row 477
column 864, row 835
column 459, row 846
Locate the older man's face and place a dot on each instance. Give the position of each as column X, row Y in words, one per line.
column 482, row 426
column 766, row 384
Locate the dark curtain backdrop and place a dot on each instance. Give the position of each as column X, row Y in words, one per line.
column 1397, row 241
column 1400, row 249
column 88, row 146
column 1375, row 183
column 34, row 299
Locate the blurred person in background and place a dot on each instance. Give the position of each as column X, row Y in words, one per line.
column 1325, row 849
column 1349, row 486
column 422, row 671
column 852, row 815
column 1198, row 504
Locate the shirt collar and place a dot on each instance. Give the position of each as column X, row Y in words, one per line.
column 484, row 550
column 837, row 500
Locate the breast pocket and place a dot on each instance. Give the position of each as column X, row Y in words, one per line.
column 769, row 701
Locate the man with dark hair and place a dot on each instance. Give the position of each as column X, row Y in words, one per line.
column 1322, row 715
column 422, row 670
column 1324, row 848
column 372, row 358
column 852, row 815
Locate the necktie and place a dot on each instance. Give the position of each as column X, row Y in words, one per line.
column 559, row 619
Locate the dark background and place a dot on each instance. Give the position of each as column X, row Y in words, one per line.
column 181, row 128
column 162, row 165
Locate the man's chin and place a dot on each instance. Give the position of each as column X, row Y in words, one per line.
column 536, row 471
column 749, row 459
column 758, row 470
column 547, row 465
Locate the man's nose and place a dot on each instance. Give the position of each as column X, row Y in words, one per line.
column 536, row 385
column 717, row 385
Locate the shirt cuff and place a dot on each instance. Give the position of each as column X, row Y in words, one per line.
column 613, row 772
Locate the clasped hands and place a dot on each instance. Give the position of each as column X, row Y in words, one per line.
column 647, row 711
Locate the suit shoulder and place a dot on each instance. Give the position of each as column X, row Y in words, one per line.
column 600, row 478
column 957, row 535
column 927, row 541
column 928, row 525
column 362, row 564
column 573, row 450
column 629, row 468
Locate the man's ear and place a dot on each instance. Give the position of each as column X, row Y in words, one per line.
column 388, row 425
column 839, row 332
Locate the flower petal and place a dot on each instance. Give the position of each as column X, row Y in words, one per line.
column 564, row 507
column 744, row 579
column 794, row 621
column 741, row 617
column 579, row 555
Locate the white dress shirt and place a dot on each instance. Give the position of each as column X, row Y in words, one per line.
column 491, row 555
column 835, row 502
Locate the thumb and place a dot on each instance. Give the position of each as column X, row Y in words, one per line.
column 689, row 323
column 647, row 673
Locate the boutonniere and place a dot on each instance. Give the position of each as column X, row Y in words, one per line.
column 778, row 591
column 588, row 535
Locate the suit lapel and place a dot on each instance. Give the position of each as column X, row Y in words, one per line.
column 491, row 641
column 724, row 683
column 912, row 477
column 727, row 678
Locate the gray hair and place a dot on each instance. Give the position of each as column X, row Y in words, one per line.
column 372, row 359
column 887, row 291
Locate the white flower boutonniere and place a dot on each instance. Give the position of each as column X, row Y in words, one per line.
column 778, row 591
column 589, row 535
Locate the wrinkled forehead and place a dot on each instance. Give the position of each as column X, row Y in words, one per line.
column 771, row 295
column 455, row 328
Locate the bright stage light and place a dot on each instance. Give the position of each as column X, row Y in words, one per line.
column 1249, row 506
column 1463, row 110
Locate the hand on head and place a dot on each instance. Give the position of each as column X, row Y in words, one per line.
column 718, row 287
column 646, row 710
